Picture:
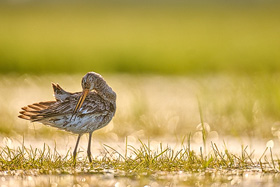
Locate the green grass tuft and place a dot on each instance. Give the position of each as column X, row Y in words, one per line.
column 135, row 161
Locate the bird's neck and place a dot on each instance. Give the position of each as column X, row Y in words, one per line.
column 106, row 92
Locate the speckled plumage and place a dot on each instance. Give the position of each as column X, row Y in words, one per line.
column 72, row 112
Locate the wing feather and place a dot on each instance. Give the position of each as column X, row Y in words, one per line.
column 92, row 105
column 59, row 93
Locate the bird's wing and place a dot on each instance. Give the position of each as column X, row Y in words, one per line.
column 93, row 104
column 31, row 111
column 59, row 93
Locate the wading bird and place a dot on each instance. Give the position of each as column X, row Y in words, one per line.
column 80, row 112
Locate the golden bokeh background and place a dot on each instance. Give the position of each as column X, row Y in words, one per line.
column 160, row 57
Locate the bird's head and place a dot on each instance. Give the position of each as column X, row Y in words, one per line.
column 89, row 82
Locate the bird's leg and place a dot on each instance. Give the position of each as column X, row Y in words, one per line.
column 89, row 145
column 75, row 150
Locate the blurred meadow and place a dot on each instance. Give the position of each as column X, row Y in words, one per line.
column 133, row 37
column 181, row 71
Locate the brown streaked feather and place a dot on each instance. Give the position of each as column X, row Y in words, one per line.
column 61, row 108
column 34, row 107
column 59, row 93
column 24, row 117
column 25, row 108
column 39, row 105
column 31, row 112
column 22, row 112
column 47, row 103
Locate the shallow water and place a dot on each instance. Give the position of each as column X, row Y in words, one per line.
column 111, row 178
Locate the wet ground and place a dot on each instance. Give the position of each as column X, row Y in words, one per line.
column 92, row 176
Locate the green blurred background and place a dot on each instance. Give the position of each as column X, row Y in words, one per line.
column 162, row 37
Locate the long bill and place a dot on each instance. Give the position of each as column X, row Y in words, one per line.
column 81, row 100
